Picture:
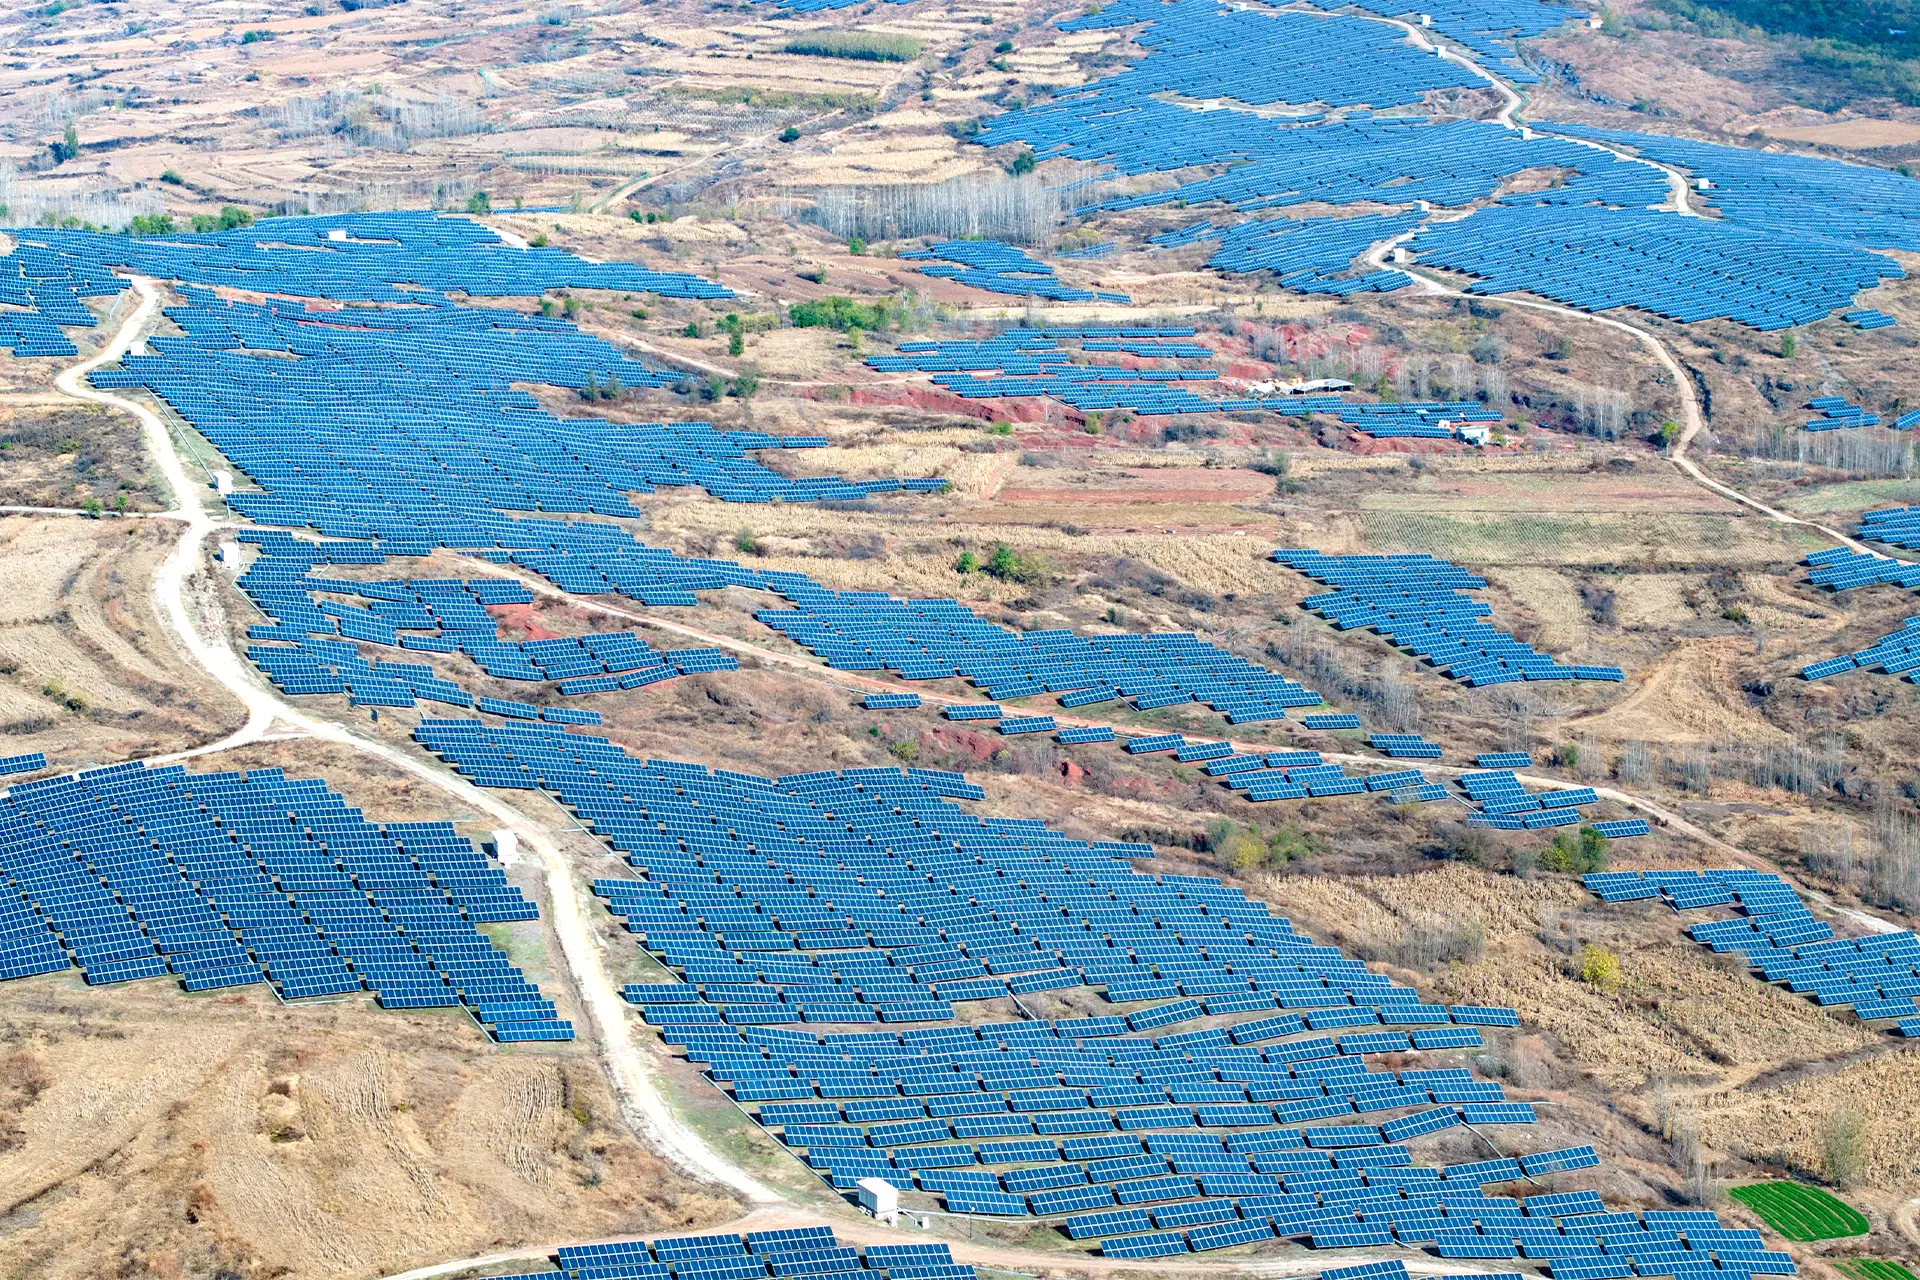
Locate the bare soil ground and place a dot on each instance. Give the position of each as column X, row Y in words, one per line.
column 148, row 1133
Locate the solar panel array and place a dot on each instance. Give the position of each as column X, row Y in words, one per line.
column 1001, row 268
column 48, row 288
column 1420, row 603
column 1505, row 805
column 1877, row 975
column 1488, row 27
column 1685, row 269
column 416, row 406
column 1895, row 526
column 399, row 429
column 1595, row 240
column 1868, row 318
column 1795, row 196
column 1260, row 776
column 227, row 879
column 1202, row 52
column 28, row 763
column 868, row 896
column 1428, row 419
column 1836, row 413
column 1896, row 653
column 1022, row 362
column 942, row 639
column 891, row 701
column 1842, row 569
column 315, row 635
column 1030, row 362
column 801, row 1253
column 395, row 257
column 1314, row 255
column 1404, row 746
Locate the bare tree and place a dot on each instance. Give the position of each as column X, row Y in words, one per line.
column 1023, row 210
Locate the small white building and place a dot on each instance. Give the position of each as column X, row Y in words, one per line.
column 879, row 1198
column 1474, row 433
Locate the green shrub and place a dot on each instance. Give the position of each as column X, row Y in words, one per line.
column 840, row 314
column 1009, row 565
column 1598, row 967
column 1575, row 855
column 862, row 46
column 150, row 224
column 68, row 147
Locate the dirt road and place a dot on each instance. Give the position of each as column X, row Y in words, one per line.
column 644, row 1107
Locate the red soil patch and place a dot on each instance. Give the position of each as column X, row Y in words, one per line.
column 1367, row 446
column 521, row 618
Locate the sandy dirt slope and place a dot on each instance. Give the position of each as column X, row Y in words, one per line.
column 87, row 672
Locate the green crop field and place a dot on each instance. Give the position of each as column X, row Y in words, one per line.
column 1874, row 1269
column 1801, row 1212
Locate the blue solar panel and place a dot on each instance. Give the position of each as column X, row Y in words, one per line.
column 140, row 872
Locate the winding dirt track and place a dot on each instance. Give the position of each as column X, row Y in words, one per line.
column 646, row 1111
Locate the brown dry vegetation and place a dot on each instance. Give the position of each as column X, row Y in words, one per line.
column 58, row 453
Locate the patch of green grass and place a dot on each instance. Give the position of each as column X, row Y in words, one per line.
column 861, row 46
column 1874, row 1269
column 1800, row 1212
column 1853, row 495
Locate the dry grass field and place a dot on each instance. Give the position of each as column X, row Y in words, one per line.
column 88, row 673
